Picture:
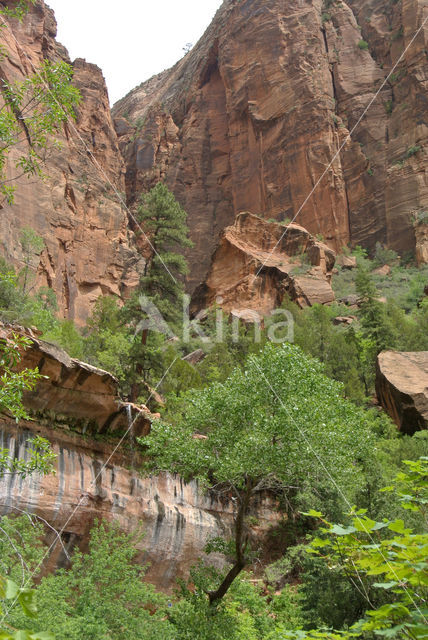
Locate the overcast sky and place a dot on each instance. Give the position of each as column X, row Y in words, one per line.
column 130, row 40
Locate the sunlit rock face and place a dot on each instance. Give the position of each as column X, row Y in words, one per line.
column 264, row 115
column 88, row 246
column 258, row 262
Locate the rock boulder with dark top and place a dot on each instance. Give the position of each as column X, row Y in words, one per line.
column 402, row 388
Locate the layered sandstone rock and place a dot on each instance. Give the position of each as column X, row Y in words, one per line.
column 92, row 481
column 402, row 388
column 257, row 262
column 88, row 247
column 78, row 409
column 75, row 392
column 265, row 114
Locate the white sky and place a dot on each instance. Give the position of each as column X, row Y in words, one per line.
column 131, row 40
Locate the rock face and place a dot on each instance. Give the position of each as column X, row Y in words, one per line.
column 257, row 262
column 421, row 232
column 79, row 411
column 402, row 388
column 265, row 114
column 92, row 481
column 88, row 246
column 76, row 391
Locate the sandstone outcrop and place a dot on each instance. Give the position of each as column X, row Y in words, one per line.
column 265, row 114
column 93, row 481
column 78, row 409
column 421, row 232
column 75, row 392
column 88, row 247
column 257, row 262
column 402, row 388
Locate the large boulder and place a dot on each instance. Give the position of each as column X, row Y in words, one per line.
column 402, row 388
column 257, row 262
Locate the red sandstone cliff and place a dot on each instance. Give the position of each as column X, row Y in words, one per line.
column 253, row 116
column 249, row 120
column 88, row 246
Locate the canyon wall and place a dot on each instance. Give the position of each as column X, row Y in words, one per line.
column 89, row 249
column 267, row 113
column 263, row 115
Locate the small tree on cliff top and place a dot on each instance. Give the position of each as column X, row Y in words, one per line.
column 278, row 424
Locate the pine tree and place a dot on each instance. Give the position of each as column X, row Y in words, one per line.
column 161, row 285
column 164, row 222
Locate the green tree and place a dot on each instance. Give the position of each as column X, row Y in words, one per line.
column 31, row 243
column 13, row 383
column 33, row 111
column 278, row 424
column 372, row 312
column 387, row 556
column 108, row 339
column 103, row 594
column 161, row 284
column 164, row 222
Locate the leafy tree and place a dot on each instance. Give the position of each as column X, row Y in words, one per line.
column 164, row 222
column 335, row 346
column 33, row 111
column 108, row 339
column 161, row 286
column 65, row 334
column 103, row 595
column 372, row 312
column 13, row 385
column 247, row 611
column 276, row 425
column 31, row 243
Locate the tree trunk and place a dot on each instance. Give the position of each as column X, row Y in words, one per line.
column 241, row 542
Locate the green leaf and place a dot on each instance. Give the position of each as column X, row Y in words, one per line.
column 385, row 585
column 12, row 590
column 397, row 526
column 312, row 513
column 23, row 634
column 338, row 530
column 26, row 600
column 364, row 525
